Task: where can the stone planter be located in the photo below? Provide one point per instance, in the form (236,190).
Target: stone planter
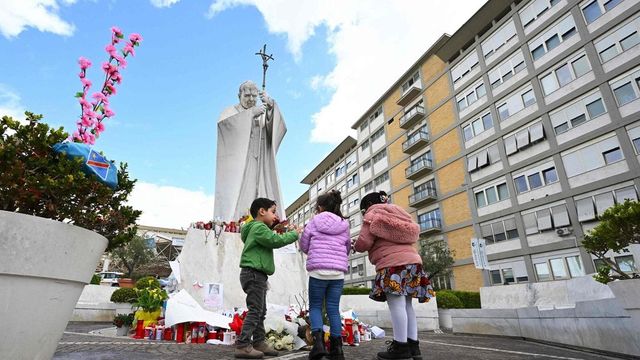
(124,308)
(122,330)
(126,283)
(627,292)
(44,265)
(445,320)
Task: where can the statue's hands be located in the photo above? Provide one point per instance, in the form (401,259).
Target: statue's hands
(266,100)
(257,111)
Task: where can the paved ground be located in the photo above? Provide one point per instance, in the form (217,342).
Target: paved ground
(77,344)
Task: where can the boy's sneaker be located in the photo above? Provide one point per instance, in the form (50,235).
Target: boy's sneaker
(248,352)
(263,347)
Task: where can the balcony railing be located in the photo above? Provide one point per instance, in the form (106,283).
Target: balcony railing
(409,95)
(420,168)
(422,197)
(430,225)
(411,116)
(415,141)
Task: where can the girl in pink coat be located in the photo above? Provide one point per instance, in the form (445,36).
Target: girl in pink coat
(389,234)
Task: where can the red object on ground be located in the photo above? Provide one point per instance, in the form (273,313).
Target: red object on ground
(348,324)
(201,330)
(139,330)
(180,333)
(168,334)
(236,324)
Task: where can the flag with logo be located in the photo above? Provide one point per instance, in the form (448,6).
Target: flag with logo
(94,162)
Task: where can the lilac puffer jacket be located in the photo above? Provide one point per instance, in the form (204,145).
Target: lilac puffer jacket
(327,243)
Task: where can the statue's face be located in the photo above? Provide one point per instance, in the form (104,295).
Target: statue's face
(249,97)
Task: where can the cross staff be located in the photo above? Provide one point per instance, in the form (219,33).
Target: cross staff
(265,59)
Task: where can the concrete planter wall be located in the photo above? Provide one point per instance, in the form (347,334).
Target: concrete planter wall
(627,292)
(377,313)
(444,317)
(44,266)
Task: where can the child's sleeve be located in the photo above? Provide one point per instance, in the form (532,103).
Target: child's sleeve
(305,239)
(365,239)
(269,239)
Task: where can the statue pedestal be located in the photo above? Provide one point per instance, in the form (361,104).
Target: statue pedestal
(202,261)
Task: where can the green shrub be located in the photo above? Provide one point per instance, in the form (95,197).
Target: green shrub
(123,320)
(447,300)
(355,291)
(149,282)
(470,299)
(124,295)
(95,279)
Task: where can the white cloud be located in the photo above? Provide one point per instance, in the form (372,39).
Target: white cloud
(10,103)
(374,42)
(169,206)
(17,15)
(163,3)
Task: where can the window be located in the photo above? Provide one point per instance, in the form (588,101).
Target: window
(559,267)
(550,175)
(379,156)
(591,207)
(636,144)
(553,37)
(536,8)
(365,145)
(340,170)
(477,126)
(612,156)
(628,193)
(575,266)
(593,10)
(352,180)
(619,40)
(507,69)
(482,158)
(494,44)
(366,165)
(470,96)
(542,271)
(517,101)
(626,263)
(376,135)
(464,67)
(625,93)
(568,70)
(364,125)
(376,113)
(429,220)
(535,180)
(414,79)
(559,271)
(381,179)
(368,187)
(492,195)
(524,138)
(577,112)
(501,230)
(546,219)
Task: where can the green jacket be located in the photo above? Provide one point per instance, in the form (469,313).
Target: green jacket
(259,242)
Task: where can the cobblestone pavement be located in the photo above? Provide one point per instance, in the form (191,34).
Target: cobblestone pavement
(77,343)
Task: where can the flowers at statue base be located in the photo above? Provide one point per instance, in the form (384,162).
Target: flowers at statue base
(280,340)
(95,109)
(150,299)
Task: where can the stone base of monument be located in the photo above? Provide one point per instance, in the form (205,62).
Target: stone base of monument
(205,260)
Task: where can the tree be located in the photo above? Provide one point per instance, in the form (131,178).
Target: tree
(619,227)
(133,255)
(37,181)
(437,259)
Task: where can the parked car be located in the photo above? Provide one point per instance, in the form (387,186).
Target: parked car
(110,278)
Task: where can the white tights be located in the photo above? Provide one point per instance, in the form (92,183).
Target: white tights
(403,318)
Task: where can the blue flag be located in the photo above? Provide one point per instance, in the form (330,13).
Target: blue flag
(94,162)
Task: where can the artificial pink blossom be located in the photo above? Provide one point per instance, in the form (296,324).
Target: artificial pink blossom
(99,96)
(116,77)
(86,83)
(108,112)
(82,74)
(116,31)
(135,38)
(111,50)
(110,89)
(121,62)
(86,121)
(128,49)
(84,63)
(109,68)
(88,138)
(99,127)
(85,104)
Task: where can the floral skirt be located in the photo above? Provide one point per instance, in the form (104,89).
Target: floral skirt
(405,280)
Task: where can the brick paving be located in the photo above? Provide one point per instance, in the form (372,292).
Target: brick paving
(78,344)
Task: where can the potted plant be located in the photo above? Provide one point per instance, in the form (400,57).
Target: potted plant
(130,257)
(149,304)
(56,219)
(446,301)
(123,323)
(124,298)
(618,229)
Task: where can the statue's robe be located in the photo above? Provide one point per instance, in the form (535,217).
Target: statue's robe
(246,161)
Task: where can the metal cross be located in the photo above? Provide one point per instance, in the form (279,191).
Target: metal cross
(265,59)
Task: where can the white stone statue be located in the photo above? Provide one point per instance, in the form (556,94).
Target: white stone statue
(249,136)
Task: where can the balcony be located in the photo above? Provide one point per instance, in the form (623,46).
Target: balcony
(409,95)
(415,142)
(430,226)
(423,197)
(412,116)
(419,169)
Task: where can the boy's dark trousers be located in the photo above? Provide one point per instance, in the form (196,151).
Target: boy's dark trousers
(254,284)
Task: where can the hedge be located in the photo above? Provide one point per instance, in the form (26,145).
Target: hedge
(469,299)
(355,291)
(448,300)
(124,295)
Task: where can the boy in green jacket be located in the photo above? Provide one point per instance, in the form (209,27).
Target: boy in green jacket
(257,264)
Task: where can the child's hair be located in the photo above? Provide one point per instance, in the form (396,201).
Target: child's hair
(331,202)
(260,203)
(372,199)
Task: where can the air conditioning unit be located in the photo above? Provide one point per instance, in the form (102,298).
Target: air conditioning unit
(566,231)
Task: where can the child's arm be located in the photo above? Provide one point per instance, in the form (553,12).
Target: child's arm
(365,239)
(305,239)
(269,239)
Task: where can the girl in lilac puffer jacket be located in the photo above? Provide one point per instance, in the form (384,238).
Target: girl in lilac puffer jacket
(327,243)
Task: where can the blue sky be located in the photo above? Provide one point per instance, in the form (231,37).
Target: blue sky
(332,63)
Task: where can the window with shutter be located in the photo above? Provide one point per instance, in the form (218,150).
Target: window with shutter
(510,145)
(483,159)
(626,193)
(586,210)
(603,202)
(530,224)
(472,163)
(537,132)
(560,216)
(544,219)
(522,138)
